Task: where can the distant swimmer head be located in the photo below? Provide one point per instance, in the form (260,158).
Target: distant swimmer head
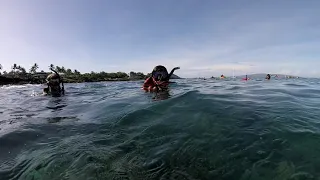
(268,76)
(160,73)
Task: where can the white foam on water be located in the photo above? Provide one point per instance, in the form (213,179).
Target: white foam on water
(19,86)
(13,86)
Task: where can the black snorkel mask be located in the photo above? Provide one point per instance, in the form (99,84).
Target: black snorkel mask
(159,75)
(53,82)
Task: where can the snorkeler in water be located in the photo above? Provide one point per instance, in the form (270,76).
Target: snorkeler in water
(268,77)
(159,79)
(53,82)
(246,78)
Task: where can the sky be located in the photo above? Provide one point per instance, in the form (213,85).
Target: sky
(204,38)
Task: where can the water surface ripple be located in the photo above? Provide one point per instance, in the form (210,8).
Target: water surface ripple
(200,129)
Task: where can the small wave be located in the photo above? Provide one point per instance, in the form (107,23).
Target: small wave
(19,86)
(295,85)
(13,86)
(310,91)
(234,88)
(203,130)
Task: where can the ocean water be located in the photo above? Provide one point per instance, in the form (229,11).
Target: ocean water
(200,129)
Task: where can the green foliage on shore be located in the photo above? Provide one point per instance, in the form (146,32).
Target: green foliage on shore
(68,75)
(76,76)
(19,75)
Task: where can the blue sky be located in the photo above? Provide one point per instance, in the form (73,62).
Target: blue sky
(204,37)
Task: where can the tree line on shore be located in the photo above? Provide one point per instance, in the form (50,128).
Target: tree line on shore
(19,72)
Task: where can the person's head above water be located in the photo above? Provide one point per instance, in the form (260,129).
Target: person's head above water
(53,81)
(268,76)
(160,73)
(159,79)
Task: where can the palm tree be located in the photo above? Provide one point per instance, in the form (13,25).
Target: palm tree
(14,67)
(58,69)
(69,71)
(63,70)
(31,70)
(76,72)
(34,68)
(18,69)
(51,66)
(23,70)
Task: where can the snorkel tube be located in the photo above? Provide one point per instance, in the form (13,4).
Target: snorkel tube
(172,71)
(165,82)
(160,73)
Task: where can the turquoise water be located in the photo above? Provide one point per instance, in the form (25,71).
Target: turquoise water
(200,129)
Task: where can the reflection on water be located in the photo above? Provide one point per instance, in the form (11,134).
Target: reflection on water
(206,130)
(57,103)
(163,95)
